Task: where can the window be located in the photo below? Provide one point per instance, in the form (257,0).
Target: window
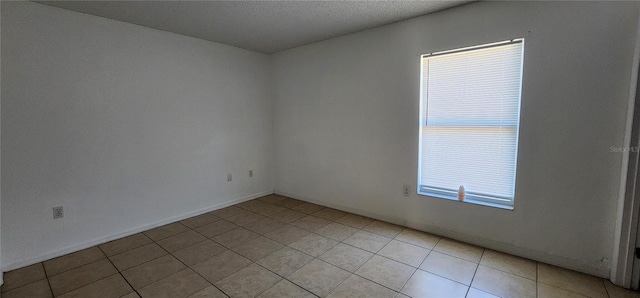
(469,118)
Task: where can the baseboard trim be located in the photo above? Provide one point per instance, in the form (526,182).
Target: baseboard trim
(494,245)
(100,240)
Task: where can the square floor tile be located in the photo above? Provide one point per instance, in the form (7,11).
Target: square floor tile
(199,252)
(181,241)
(313,244)
(179,284)
(209,292)
(571,280)
(236,237)
(268,209)
(346,257)
(73,260)
(166,231)
(131,295)
(475,293)
(200,220)
(258,248)
(137,256)
(418,238)
(386,229)
(319,277)
(289,202)
(388,273)
(329,214)
(81,276)
(271,199)
(248,282)
(285,288)
(509,263)
(367,241)
(354,220)
(265,225)
(450,267)
(127,243)
(221,266)
(461,250)
(404,252)
(23,276)
(147,273)
(310,223)
(227,212)
(547,291)
(247,205)
(38,289)
(308,208)
(356,286)
(287,215)
(113,286)
(503,284)
(217,228)
(285,261)
(287,234)
(262,208)
(245,218)
(425,284)
(337,231)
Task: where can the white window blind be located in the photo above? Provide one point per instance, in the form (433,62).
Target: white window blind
(470,111)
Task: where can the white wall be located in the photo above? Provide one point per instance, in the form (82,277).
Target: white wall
(125,126)
(346,125)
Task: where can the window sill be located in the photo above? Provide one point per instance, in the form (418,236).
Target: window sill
(470,201)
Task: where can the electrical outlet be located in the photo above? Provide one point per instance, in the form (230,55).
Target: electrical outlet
(58,212)
(229,178)
(250,173)
(405,190)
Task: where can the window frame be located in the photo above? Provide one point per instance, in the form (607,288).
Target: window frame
(502,202)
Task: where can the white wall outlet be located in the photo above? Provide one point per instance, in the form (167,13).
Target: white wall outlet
(250,173)
(58,212)
(229,178)
(405,190)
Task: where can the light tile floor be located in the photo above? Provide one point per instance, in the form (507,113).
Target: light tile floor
(280,247)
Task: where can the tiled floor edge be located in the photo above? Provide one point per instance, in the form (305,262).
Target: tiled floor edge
(466,238)
(100,240)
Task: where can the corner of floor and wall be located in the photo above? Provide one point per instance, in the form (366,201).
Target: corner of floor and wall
(128,128)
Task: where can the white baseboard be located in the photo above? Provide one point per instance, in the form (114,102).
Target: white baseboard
(80,246)
(487,243)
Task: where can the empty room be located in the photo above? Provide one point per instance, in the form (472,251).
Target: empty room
(319,149)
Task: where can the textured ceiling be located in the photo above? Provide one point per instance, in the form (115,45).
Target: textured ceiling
(263,26)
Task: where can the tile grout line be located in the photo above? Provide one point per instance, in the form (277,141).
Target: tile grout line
(339,242)
(47,278)
(187,267)
(476,271)
(414,272)
(373,253)
(93,262)
(118,270)
(605,288)
(537,294)
(285,277)
(354,272)
(544,283)
(198,273)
